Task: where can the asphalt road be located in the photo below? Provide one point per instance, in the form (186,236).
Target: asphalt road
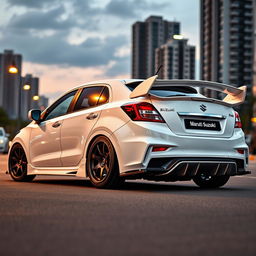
(60,216)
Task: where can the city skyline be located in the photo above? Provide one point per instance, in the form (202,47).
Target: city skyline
(28,28)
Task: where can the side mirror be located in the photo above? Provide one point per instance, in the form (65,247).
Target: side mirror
(7,135)
(34,114)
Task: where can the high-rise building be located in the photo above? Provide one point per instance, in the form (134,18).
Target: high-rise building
(254,50)
(29,95)
(146,37)
(227,41)
(10,83)
(43,102)
(177,59)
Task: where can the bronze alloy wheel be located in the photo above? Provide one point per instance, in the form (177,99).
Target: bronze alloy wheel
(102,165)
(18,164)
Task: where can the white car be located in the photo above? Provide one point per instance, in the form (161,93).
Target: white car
(4,141)
(153,129)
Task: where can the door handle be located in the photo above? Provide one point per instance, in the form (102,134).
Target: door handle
(56,124)
(92,116)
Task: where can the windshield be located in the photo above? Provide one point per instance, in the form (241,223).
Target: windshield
(1,133)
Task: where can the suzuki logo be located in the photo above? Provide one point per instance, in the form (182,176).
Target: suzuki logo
(203,107)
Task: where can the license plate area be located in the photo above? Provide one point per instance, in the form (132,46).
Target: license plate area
(196,124)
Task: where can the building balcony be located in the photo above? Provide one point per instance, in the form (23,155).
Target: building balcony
(248,14)
(234,29)
(235,4)
(248,30)
(248,22)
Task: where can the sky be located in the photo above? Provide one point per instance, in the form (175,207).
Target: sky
(70,42)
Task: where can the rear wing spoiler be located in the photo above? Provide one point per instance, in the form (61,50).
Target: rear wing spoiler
(235,96)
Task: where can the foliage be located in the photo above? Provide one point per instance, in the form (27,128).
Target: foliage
(9,125)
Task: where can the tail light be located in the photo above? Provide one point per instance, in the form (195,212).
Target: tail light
(238,123)
(142,112)
(159,148)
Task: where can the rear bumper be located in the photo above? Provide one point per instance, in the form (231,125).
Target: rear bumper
(186,169)
(136,140)
(176,169)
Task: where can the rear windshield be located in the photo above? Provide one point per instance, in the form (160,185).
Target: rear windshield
(167,91)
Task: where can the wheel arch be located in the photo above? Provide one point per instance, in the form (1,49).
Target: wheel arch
(82,171)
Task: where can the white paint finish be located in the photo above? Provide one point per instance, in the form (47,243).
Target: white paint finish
(136,137)
(44,143)
(176,122)
(74,134)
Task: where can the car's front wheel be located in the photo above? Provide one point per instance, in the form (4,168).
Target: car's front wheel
(18,164)
(102,164)
(206,181)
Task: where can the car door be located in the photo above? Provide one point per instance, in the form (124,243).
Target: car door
(77,126)
(45,147)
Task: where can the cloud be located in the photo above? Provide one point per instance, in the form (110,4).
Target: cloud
(38,19)
(83,33)
(55,49)
(31,3)
(131,8)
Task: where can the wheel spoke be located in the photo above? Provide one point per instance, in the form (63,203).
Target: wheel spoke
(99,161)
(18,162)
(98,148)
(14,159)
(101,173)
(16,154)
(96,157)
(104,146)
(97,167)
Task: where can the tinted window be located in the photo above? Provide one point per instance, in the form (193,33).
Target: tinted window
(169,91)
(91,97)
(166,91)
(61,106)
(104,97)
(1,133)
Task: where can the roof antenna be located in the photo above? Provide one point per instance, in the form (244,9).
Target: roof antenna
(159,68)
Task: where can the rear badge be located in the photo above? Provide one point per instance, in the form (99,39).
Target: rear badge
(203,107)
(167,109)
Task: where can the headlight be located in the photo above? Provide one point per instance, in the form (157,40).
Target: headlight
(1,141)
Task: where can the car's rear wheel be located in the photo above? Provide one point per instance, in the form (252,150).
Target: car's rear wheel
(206,181)
(18,164)
(102,164)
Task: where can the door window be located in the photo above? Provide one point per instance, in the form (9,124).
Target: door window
(91,97)
(60,107)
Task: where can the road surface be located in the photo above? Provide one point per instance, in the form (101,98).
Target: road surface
(67,216)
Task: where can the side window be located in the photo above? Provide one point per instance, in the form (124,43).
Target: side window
(91,97)
(104,96)
(61,106)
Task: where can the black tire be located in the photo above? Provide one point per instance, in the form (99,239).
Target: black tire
(17,164)
(102,164)
(206,181)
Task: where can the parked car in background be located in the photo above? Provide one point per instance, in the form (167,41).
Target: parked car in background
(4,141)
(113,130)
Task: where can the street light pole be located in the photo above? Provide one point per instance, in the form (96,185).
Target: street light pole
(14,70)
(19,104)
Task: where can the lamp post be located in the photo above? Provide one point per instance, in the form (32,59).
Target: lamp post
(26,87)
(14,70)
